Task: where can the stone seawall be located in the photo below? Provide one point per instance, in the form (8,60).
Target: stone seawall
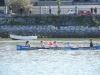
(50,31)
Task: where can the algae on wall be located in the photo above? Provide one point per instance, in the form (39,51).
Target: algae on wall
(56,20)
(49,31)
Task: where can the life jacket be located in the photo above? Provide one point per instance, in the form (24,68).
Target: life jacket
(50,43)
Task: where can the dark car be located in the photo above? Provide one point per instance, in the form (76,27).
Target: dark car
(1,11)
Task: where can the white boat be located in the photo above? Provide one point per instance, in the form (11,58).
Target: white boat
(17,37)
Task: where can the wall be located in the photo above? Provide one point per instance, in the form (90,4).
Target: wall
(50,25)
(55,20)
(50,31)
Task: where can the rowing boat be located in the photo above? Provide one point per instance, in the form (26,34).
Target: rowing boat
(20,47)
(17,37)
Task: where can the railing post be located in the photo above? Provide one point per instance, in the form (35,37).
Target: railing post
(40,10)
(5,9)
(76,10)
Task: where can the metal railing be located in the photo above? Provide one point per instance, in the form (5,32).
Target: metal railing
(55,10)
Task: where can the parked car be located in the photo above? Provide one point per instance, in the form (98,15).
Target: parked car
(71,11)
(3,12)
(84,12)
(80,12)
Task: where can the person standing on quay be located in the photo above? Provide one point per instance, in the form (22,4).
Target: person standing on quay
(10,9)
(45,9)
(21,10)
(50,9)
(30,10)
(95,10)
(24,10)
(91,10)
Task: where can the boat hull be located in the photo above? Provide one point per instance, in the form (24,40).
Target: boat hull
(19,47)
(16,37)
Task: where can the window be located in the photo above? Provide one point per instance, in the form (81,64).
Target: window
(1,2)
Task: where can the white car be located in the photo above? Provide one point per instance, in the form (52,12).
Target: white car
(71,11)
(80,12)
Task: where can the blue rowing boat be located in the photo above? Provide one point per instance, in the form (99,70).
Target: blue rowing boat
(20,47)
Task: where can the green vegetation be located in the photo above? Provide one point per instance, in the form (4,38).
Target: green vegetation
(58,3)
(17,4)
(56,20)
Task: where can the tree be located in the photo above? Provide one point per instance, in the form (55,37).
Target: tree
(17,4)
(58,3)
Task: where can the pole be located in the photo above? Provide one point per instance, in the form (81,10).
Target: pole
(76,10)
(40,10)
(5,7)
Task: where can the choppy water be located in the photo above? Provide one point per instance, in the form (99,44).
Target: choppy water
(49,62)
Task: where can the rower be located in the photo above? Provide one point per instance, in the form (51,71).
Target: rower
(28,44)
(42,44)
(50,44)
(55,44)
(91,43)
(68,44)
(71,46)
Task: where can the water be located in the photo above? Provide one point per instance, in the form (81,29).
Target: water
(49,62)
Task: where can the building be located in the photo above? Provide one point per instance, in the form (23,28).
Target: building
(71,0)
(1,2)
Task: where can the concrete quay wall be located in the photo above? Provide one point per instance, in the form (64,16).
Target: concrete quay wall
(50,31)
